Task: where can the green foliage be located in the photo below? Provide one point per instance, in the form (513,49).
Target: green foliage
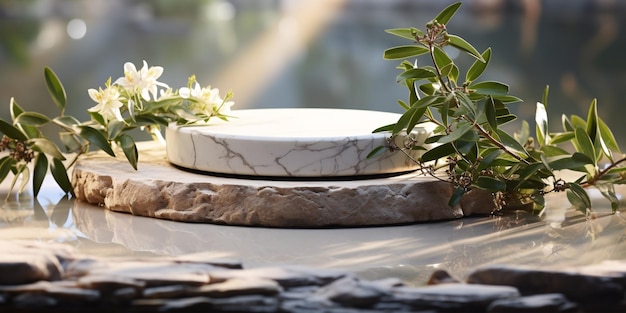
(129,103)
(468,141)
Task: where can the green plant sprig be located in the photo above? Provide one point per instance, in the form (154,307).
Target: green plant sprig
(131,102)
(469,143)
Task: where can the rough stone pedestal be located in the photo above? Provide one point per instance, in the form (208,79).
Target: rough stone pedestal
(161,190)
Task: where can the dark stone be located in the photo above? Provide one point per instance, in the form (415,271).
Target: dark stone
(250,303)
(238,287)
(193,304)
(545,303)
(108,284)
(209,259)
(349,292)
(454,296)
(287,277)
(73,295)
(441,277)
(166,292)
(575,286)
(158,273)
(24,268)
(31,301)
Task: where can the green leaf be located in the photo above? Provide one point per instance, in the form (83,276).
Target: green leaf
(592,119)
(446,14)
(561,137)
(577,121)
(67,122)
(608,191)
(70,142)
(438,152)
(541,118)
(59,173)
(416,73)
(32,119)
(510,142)
(403,105)
(407,33)
(527,172)
(6,163)
(115,128)
(451,71)
(490,88)
(97,138)
(552,151)
(507,98)
(55,88)
(378,151)
(583,143)
(386,128)
(567,125)
(441,58)
(488,157)
(461,44)
(403,52)
(15,109)
(457,194)
(95,116)
(490,184)
(466,103)
(46,146)
(457,133)
(11,131)
(579,198)
(39,172)
(490,113)
(607,136)
(127,144)
(478,67)
(524,133)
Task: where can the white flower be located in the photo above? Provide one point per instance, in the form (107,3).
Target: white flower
(207,100)
(108,103)
(143,81)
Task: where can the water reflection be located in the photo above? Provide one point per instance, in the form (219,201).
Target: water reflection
(411,252)
(326,53)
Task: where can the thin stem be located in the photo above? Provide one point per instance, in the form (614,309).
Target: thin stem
(499,145)
(431,48)
(603,172)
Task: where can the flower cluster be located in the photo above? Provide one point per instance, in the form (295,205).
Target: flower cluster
(139,91)
(137,100)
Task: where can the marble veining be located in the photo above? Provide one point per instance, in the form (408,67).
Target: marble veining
(290,143)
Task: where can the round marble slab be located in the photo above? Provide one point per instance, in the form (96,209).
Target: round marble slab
(158,189)
(292,143)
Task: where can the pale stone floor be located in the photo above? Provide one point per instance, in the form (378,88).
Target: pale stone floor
(409,252)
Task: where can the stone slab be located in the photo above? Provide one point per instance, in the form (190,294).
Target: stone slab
(295,142)
(158,189)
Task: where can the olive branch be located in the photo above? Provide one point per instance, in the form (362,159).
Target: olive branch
(469,142)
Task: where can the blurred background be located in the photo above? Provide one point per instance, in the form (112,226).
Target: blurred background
(323,53)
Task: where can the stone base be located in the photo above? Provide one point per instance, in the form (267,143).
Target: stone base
(161,190)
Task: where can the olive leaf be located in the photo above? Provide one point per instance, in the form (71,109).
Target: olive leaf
(55,88)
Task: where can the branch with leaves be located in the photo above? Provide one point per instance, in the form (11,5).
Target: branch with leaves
(136,100)
(468,139)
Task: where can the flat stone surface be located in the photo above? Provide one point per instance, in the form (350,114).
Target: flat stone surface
(545,303)
(573,284)
(161,190)
(292,143)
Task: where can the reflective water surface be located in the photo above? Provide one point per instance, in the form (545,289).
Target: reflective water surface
(411,252)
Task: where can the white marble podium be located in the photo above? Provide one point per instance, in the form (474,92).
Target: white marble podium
(257,154)
(292,143)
